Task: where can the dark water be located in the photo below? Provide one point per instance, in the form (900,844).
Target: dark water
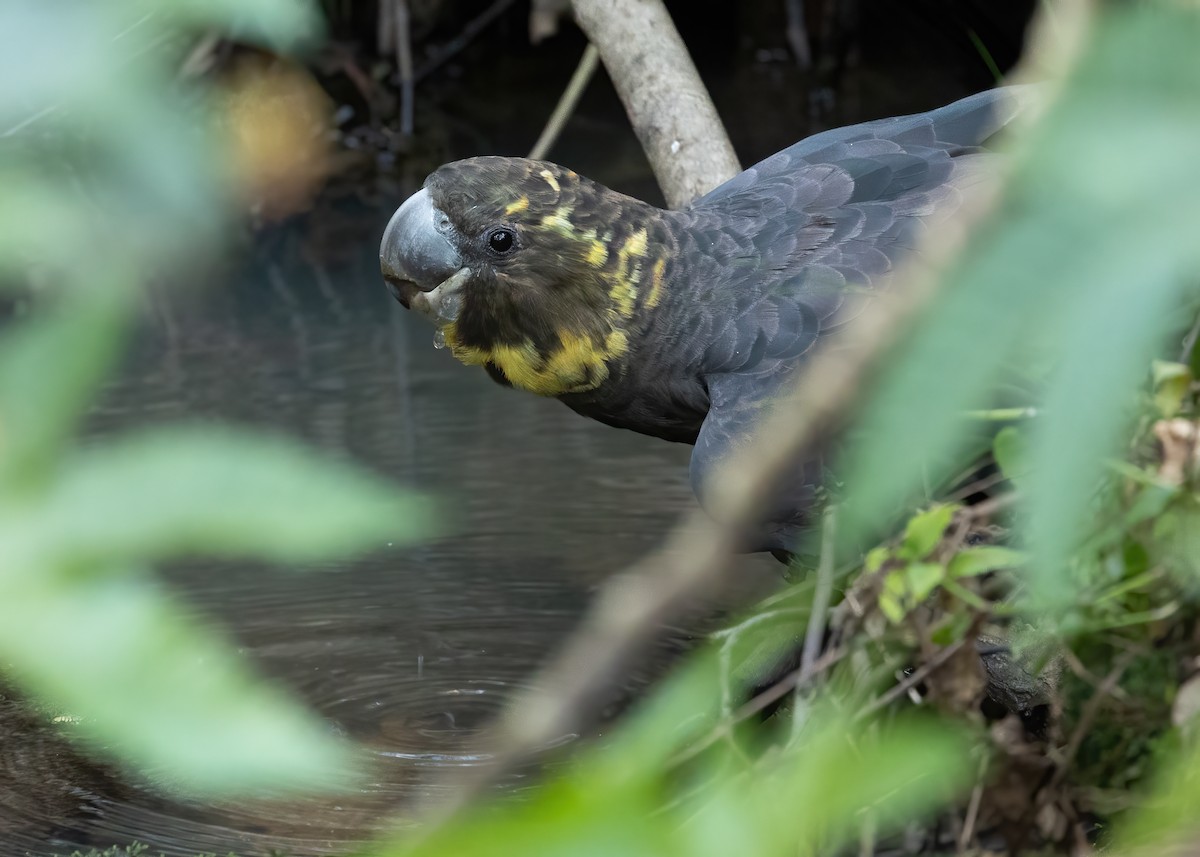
(409,651)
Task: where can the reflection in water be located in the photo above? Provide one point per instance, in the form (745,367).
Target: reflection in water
(409,651)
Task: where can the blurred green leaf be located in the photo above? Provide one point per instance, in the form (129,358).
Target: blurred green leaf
(172,492)
(282,25)
(837,772)
(1171,384)
(1090,249)
(875,559)
(971,562)
(1010,451)
(1087,406)
(49,368)
(811,795)
(1165,821)
(906,587)
(155,690)
(111,172)
(925,531)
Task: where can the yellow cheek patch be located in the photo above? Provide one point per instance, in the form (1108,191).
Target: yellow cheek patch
(517,207)
(550,180)
(578,364)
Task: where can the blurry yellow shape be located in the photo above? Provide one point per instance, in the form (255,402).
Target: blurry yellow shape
(279,128)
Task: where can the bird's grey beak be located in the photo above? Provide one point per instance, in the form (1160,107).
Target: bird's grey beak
(419,260)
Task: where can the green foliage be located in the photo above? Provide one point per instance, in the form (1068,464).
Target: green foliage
(917,565)
(111,172)
(1084,263)
(1089,254)
(1172,383)
(809,798)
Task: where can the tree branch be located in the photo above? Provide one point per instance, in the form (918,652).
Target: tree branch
(671,111)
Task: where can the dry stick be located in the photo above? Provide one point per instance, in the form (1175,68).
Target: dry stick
(567,102)
(671,111)
(797,33)
(793,680)
(404,62)
(916,677)
(1087,716)
(968,828)
(385,29)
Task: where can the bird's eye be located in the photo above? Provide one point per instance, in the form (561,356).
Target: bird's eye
(502,241)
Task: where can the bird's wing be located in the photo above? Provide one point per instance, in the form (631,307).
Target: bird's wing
(825,222)
(966,124)
(739,402)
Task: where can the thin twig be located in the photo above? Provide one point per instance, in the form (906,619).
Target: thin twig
(912,680)
(968,828)
(797,34)
(979,485)
(385,29)
(991,505)
(866,836)
(404,64)
(473,28)
(1076,666)
(1088,716)
(567,102)
(815,632)
(1189,342)
(791,681)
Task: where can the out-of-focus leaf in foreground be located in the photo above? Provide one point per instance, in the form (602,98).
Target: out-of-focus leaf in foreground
(50,368)
(1090,251)
(112,173)
(184,491)
(621,798)
(1166,822)
(155,691)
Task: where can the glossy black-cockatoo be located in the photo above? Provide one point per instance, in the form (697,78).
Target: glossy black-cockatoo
(686,324)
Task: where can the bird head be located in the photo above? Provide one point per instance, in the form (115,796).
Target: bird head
(527,268)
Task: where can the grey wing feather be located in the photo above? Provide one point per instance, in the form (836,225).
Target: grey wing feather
(968,123)
(815,230)
(738,405)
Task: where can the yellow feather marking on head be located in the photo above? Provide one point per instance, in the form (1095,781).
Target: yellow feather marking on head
(550,180)
(656,282)
(598,255)
(518,206)
(560,221)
